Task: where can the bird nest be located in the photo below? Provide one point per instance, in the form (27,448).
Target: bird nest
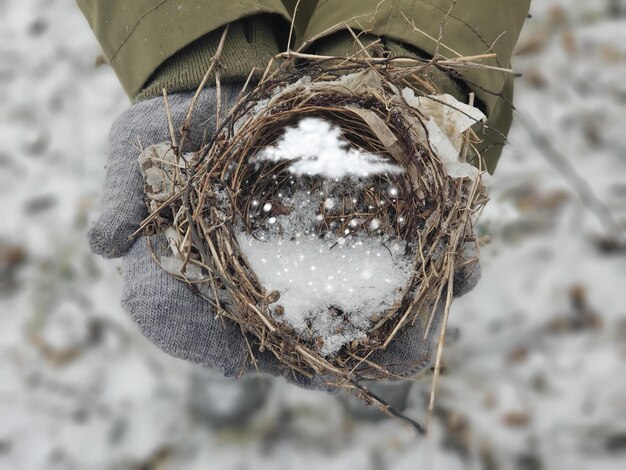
(207,199)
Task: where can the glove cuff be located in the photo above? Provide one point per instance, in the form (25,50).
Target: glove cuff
(250,44)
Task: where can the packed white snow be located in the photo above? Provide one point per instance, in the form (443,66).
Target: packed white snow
(331,286)
(316,148)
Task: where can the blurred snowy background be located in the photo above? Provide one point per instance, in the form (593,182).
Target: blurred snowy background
(536,378)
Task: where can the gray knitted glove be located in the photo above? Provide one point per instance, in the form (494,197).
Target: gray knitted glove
(165,309)
(169,314)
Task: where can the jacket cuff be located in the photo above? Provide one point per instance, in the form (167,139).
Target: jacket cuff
(477,27)
(343,44)
(138,36)
(249,46)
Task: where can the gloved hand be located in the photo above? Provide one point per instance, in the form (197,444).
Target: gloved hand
(168,313)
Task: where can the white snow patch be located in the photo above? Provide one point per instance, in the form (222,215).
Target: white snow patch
(331,286)
(317,148)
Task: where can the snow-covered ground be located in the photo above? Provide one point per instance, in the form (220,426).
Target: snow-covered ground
(535,380)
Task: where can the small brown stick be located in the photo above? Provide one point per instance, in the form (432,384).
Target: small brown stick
(441,26)
(418,30)
(184,131)
(154,215)
(387,409)
(328,31)
(466,140)
(170,123)
(440,343)
(218,91)
(292,26)
(363,48)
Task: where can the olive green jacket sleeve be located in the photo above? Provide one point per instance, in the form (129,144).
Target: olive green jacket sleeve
(137,36)
(470,27)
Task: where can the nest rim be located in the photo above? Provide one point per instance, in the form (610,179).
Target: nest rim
(223,163)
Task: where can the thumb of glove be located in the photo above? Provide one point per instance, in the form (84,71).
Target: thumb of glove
(146,123)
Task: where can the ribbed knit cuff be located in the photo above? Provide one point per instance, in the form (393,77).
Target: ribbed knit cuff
(343,44)
(250,44)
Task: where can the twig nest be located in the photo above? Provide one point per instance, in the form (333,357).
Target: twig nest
(328,209)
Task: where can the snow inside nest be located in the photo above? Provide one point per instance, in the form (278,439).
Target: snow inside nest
(316,148)
(333,286)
